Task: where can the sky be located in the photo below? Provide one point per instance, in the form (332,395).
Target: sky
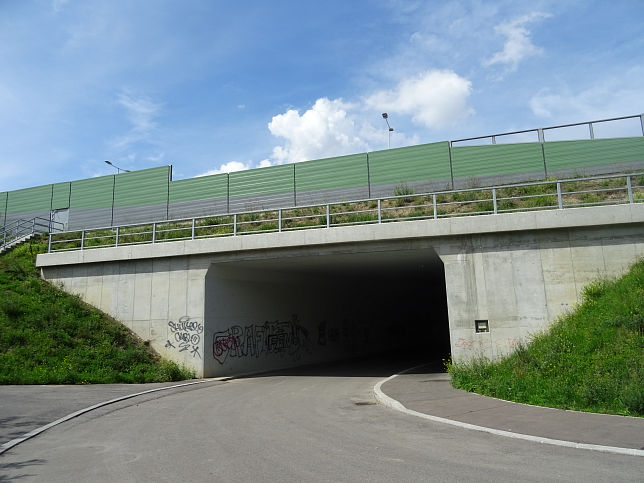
(213,86)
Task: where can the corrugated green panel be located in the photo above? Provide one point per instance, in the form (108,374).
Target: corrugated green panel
(262,181)
(413,163)
(497,159)
(60,197)
(37,198)
(202,188)
(578,154)
(144,187)
(332,173)
(92,193)
(3,206)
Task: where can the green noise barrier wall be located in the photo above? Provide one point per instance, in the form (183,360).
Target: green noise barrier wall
(28,203)
(569,157)
(90,203)
(200,196)
(499,163)
(421,168)
(141,196)
(332,179)
(262,188)
(149,195)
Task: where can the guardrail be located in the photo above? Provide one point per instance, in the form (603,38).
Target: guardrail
(405,206)
(23,227)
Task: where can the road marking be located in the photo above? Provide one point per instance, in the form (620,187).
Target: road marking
(14,442)
(398,406)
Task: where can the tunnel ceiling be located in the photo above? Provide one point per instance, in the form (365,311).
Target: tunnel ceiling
(365,262)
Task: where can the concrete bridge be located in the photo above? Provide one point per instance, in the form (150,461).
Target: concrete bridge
(466,286)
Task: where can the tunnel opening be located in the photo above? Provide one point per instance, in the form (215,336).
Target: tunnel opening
(294,308)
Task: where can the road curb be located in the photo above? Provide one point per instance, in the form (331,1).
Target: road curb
(15,442)
(392,403)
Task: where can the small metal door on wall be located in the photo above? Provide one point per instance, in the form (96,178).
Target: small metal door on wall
(60,216)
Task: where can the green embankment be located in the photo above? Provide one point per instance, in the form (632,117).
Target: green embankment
(50,337)
(589,360)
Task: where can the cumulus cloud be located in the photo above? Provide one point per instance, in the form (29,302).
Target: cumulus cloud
(229,167)
(518,44)
(435,99)
(324,130)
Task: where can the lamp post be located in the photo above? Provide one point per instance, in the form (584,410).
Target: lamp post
(385,116)
(118,170)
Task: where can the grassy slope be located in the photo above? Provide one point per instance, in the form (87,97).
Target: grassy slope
(590,360)
(50,337)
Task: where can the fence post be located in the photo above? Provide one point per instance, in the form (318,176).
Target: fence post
(279,220)
(49,244)
(590,129)
(434,205)
(193,229)
(235,224)
(82,239)
(494,200)
(629,188)
(379,212)
(559,199)
(154,232)
(451,168)
(328,216)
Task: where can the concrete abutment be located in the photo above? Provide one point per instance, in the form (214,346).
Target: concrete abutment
(261,302)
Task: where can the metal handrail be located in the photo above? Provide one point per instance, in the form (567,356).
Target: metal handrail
(24,227)
(433,205)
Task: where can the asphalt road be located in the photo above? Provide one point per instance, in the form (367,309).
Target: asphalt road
(314,424)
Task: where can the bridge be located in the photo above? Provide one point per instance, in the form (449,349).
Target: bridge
(468,272)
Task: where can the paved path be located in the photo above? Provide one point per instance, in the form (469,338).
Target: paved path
(429,392)
(313,424)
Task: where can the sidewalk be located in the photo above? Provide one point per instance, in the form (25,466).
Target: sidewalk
(431,393)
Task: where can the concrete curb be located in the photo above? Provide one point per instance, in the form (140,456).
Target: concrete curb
(15,442)
(389,402)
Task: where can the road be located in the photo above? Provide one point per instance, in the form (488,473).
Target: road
(314,424)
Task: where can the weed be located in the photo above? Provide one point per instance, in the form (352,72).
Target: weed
(589,360)
(50,337)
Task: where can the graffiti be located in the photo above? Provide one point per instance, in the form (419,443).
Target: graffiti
(468,344)
(186,333)
(287,338)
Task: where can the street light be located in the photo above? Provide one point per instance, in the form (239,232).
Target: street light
(385,116)
(118,170)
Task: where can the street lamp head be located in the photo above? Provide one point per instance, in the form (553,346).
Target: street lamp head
(385,115)
(391,129)
(109,163)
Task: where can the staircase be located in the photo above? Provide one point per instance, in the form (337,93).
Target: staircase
(19,231)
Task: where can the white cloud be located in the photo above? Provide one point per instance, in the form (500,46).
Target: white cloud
(142,113)
(229,167)
(325,130)
(435,99)
(518,44)
(611,98)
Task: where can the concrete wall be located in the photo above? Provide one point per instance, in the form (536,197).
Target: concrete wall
(522,282)
(518,271)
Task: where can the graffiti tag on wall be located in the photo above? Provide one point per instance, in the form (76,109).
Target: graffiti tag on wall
(185,335)
(288,338)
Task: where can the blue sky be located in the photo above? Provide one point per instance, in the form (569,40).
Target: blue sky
(211,86)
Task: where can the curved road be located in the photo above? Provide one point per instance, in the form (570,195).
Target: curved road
(314,424)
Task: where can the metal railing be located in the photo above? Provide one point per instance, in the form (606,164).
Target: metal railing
(540,132)
(406,206)
(16,229)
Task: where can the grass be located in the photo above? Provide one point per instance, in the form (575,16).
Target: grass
(589,360)
(50,337)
